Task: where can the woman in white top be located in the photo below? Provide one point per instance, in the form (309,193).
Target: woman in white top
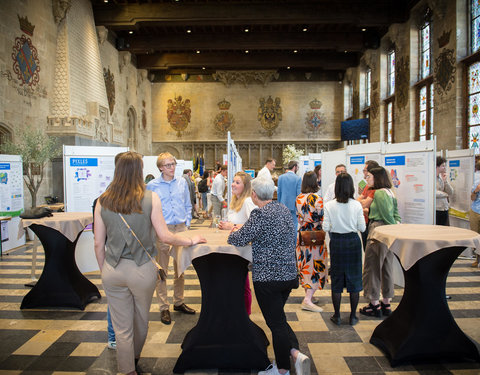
(242,204)
(343,218)
(238,214)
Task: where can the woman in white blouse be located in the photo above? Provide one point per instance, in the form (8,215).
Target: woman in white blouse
(238,214)
(242,204)
(343,218)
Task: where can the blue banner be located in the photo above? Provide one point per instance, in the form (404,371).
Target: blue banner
(84,162)
(454,163)
(4,166)
(357,159)
(317,162)
(395,160)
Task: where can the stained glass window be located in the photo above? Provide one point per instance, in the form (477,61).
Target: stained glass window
(368,86)
(425,112)
(389,122)
(425,48)
(473,122)
(431,111)
(391,72)
(475,25)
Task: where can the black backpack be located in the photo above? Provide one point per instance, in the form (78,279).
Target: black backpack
(202,186)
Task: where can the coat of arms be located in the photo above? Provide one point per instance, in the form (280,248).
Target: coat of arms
(315,119)
(402,72)
(269,114)
(25,61)
(224,121)
(178,114)
(110,86)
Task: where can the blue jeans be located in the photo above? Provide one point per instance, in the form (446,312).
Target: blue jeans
(111,332)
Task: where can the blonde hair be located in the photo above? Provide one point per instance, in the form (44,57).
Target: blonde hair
(164,156)
(126,191)
(237,202)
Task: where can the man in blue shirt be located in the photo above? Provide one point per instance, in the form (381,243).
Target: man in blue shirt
(289,186)
(177,211)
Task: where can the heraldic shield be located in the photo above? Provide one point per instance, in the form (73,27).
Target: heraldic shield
(269,114)
(178,114)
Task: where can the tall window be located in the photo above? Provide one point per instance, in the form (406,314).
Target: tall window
(425,50)
(425,112)
(473,122)
(474,25)
(391,72)
(389,127)
(348,101)
(368,86)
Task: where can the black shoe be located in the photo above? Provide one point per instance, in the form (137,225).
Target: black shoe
(165,317)
(184,309)
(336,320)
(353,320)
(372,310)
(386,309)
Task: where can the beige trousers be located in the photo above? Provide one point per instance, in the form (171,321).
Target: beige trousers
(474,221)
(163,258)
(377,268)
(129,289)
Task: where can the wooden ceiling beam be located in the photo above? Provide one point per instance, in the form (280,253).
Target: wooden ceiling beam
(214,60)
(246,41)
(364,13)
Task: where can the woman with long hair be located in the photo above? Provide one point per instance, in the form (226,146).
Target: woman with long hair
(343,218)
(378,263)
(127,218)
(238,214)
(311,259)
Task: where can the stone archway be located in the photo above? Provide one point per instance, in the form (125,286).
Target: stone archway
(132,121)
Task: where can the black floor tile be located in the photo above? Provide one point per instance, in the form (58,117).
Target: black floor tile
(45,363)
(60,349)
(363,365)
(17,362)
(83,336)
(12,339)
(94,315)
(76,364)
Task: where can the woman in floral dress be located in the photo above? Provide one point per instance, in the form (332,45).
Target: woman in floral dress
(311,260)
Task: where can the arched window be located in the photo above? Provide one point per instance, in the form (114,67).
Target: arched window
(424,88)
(132,128)
(389,113)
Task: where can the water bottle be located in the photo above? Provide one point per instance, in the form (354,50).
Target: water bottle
(224,214)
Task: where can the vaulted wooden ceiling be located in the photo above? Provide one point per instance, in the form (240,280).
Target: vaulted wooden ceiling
(323,37)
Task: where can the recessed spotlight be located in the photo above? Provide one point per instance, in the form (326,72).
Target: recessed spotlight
(105,1)
(364,29)
(288,67)
(130,32)
(203,68)
(304,29)
(246,51)
(189,31)
(295,51)
(346,51)
(246,30)
(198,51)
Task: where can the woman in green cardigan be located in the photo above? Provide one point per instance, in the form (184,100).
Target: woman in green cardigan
(378,263)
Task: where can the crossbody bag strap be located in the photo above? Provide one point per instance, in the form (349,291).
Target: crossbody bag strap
(161,271)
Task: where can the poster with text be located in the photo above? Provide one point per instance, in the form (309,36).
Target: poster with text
(355,166)
(460,176)
(11,188)
(412,177)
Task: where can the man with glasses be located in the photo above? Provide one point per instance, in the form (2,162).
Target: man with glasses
(177,211)
(330,193)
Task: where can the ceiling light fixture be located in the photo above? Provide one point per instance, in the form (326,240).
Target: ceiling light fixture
(105,1)
(288,67)
(198,51)
(295,51)
(203,68)
(246,51)
(130,32)
(246,30)
(304,29)
(189,31)
(364,29)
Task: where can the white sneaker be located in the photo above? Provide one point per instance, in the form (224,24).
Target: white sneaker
(302,364)
(272,370)
(313,308)
(112,345)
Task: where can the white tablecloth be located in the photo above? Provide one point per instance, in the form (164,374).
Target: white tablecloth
(411,242)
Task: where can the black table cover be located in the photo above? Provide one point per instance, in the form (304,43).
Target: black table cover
(224,338)
(61,283)
(422,326)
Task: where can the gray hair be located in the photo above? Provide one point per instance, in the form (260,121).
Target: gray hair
(264,188)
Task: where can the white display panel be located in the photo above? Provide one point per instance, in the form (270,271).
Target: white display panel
(330,160)
(87,172)
(11,200)
(460,170)
(357,156)
(412,169)
(234,164)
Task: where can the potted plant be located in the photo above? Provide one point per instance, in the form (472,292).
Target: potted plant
(291,153)
(36,149)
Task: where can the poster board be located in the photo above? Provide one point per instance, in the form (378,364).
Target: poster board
(87,172)
(11,200)
(304,165)
(460,170)
(150,166)
(330,160)
(357,156)
(412,168)
(234,164)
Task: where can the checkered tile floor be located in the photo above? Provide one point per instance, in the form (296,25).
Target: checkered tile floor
(57,341)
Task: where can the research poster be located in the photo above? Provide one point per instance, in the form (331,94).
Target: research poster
(412,177)
(355,165)
(87,173)
(460,176)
